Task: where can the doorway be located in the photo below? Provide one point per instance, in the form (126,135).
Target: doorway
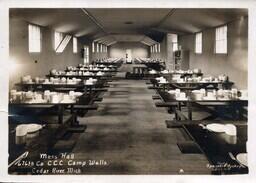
(128,56)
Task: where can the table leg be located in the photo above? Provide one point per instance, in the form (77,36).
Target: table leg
(60,113)
(189,106)
(179,108)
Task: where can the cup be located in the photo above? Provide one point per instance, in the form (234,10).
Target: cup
(47,94)
(37,79)
(231,139)
(66,97)
(203,91)
(230,129)
(244,93)
(182,95)
(20,135)
(54,98)
(210,95)
(63,79)
(234,93)
(181,80)
(39,96)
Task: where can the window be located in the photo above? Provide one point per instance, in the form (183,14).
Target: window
(101,50)
(93,47)
(58,37)
(74,45)
(221,40)
(34,38)
(86,54)
(174,42)
(198,43)
(63,44)
(97,47)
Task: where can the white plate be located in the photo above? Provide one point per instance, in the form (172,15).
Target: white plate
(209,98)
(179,98)
(242,158)
(243,98)
(67,101)
(31,128)
(215,127)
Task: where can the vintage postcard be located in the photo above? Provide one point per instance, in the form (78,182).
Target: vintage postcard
(127,88)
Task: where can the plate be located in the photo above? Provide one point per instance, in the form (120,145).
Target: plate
(209,98)
(31,128)
(242,158)
(180,98)
(215,127)
(243,98)
(67,101)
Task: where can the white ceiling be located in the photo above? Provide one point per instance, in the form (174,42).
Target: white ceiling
(110,25)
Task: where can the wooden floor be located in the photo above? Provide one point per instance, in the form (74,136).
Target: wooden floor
(129,133)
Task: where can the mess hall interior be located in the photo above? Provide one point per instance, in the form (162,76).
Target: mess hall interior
(128,91)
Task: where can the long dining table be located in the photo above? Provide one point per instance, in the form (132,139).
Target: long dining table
(220,149)
(236,106)
(191,85)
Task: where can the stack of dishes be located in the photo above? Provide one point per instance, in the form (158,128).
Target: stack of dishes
(152,72)
(211,95)
(242,158)
(197,71)
(67,99)
(25,131)
(197,95)
(100,73)
(228,129)
(165,72)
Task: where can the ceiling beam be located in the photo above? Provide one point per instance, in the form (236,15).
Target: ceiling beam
(102,39)
(108,41)
(169,14)
(95,21)
(168,31)
(113,42)
(146,43)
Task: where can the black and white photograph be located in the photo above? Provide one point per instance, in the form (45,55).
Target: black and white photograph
(127,91)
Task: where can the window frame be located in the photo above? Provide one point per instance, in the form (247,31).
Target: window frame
(75,45)
(62,35)
(176,43)
(86,54)
(196,43)
(31,40)
(226,40)
(97,47)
